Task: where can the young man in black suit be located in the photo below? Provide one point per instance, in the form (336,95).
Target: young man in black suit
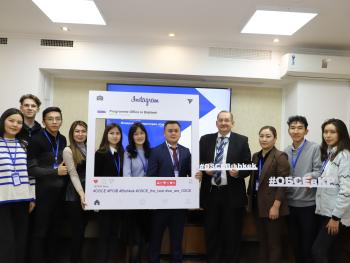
(223,193)
(169,159)
(45,164)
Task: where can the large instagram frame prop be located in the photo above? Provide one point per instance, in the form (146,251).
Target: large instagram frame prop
(142,192)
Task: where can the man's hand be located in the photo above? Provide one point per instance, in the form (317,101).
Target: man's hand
(31,206)
(233,173)
(199,175)
(62,170)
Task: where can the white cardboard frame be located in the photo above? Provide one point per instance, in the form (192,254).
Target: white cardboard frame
(142,192)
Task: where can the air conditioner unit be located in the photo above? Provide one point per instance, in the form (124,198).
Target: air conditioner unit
(315,66)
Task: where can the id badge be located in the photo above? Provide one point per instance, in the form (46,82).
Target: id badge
(55,166)
(176,173)
(15,178)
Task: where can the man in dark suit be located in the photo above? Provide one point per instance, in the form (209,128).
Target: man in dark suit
(223,193)
(169,159)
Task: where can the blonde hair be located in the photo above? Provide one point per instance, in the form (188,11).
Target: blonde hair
(78,157)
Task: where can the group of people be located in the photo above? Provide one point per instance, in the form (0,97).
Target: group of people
(39,174)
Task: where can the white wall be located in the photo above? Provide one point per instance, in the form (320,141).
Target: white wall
(317,100)
(22,59)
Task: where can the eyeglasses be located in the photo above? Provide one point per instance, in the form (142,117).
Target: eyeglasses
(57,119)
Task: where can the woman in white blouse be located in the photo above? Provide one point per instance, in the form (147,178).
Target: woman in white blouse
(333,204)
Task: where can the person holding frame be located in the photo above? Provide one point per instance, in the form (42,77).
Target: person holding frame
(109,163)
(169,159)
(74,156)
(135,165)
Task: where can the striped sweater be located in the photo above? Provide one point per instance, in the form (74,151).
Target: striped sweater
(25,191)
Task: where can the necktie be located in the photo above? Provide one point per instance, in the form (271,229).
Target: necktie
(218,158)
(175,159)
(117,162)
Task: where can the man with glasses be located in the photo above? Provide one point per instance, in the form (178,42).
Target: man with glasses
(46,165)
(223,193)
(30,105)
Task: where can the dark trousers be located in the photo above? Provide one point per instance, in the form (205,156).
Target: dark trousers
(13,232)
(270,238)
(302,224)
(175,221)
(46,223)
(78,219)
(326,248)
(109,240)
(223,228)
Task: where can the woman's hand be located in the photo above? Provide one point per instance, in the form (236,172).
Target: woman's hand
(274,212)
(82,200)
(332,227)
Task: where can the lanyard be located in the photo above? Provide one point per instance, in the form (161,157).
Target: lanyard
(116,162)
(13,158)
(294,161)
(324,163)
(55,151)
(261,163)
(144,163)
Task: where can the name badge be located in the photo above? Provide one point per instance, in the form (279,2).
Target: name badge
(176,173)
(15,178)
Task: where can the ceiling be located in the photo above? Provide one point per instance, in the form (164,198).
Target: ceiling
(195,22)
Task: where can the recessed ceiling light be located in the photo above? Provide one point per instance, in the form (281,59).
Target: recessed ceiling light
(64,28)
(171,34)
(71,11)
(276,22)
(276,40)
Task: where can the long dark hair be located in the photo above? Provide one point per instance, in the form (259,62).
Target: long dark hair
(4,116)
(131,148)
(78,157)
(104,145)
(343,138)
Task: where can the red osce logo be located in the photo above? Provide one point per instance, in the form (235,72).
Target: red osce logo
(166,182)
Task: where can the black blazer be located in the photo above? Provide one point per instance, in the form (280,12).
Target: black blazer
(160,163)
(238,152)
(105,164)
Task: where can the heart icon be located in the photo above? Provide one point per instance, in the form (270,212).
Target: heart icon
(95,181)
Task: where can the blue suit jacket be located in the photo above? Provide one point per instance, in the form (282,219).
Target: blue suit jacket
(160,163)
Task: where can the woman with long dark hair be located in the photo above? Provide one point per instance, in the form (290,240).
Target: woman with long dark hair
(333,204)
(135,165)
(17,192)
(74,157)
(109,163)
